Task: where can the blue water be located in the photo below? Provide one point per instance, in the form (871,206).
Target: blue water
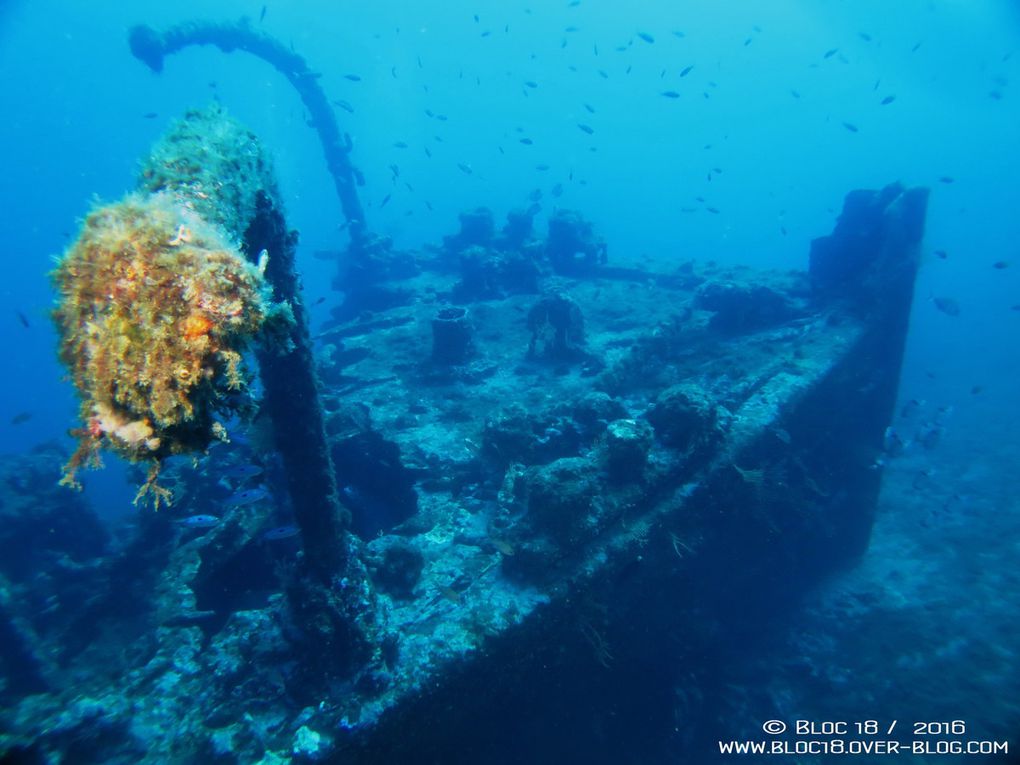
(760,131)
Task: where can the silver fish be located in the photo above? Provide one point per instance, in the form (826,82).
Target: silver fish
(247,497)
(198,521)
(243,471)
(281,532)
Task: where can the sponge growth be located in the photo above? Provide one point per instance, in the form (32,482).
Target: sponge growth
(155,310)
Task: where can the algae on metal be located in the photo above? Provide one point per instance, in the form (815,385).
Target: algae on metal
(156,307)
(157,303)
(212,164)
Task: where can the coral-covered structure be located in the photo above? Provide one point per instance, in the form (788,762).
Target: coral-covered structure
(152,48)
(155,309)
(212,164)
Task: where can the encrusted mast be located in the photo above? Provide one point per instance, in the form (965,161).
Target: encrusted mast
(155,309)
(152,47)
(162,293)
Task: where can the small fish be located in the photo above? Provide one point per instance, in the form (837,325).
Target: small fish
(466,169)
(585,128)
(941,254)
(946,179)
(262,14)
(830,52)
(23,319)
(947,305)
(503,546)
(198,521)
(281,532)
(670,94)
(748,41)
(795,93)
(851,127)
(428,152)
(385,201)
(21,418)
(892,443)
(557,190)
(911,408)
(450,594)
(345,105)
(247,497)
(603,74)
(535,195)
(922,479)
(542,168)
(441,117)
(977,390)
(916,46)
(150,115)
(864,36)
(678,34)
(527,141)
(783,435)
(399,145)
(531,83)
(320,301)
(713,210)
(887,100)
(686,70)
(929,434)
(1000,264)
(646,37)
(589,108)
(249,470)
(353,77)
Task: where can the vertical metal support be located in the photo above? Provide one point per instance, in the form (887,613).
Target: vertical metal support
(292,402)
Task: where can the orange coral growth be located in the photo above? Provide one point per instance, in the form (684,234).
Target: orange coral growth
(196,326)
(152,326)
